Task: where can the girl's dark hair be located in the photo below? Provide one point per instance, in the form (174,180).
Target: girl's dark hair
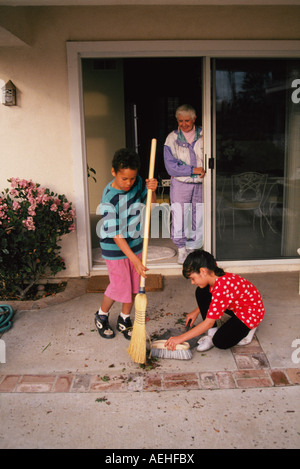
(198,259)
(125,158)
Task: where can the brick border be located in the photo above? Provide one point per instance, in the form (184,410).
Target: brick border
(253,371)
(149,382)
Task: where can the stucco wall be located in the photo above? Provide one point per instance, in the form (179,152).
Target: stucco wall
(35,136)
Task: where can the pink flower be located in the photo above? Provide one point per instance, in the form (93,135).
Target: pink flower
(42,198)
(29,224)
(14,182)
(3,210)
(31,200)
(23,183)
(31,210)
(14,193)
(53,208)
(16,205)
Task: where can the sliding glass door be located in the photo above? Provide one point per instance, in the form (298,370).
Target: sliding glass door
(256,145)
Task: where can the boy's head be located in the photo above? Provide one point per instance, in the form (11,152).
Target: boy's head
(125,167)
(125,158)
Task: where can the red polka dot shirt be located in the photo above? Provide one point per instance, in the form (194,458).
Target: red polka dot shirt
(239,296)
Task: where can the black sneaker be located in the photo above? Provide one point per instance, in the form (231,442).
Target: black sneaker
(125,327)
(102,324)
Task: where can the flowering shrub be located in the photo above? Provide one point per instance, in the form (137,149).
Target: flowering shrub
(32,220)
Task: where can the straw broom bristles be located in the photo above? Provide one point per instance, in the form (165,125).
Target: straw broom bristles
(137,347)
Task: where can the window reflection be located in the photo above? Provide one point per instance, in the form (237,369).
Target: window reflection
(257,131)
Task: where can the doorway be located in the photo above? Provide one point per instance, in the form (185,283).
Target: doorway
(153,89)
(127,102)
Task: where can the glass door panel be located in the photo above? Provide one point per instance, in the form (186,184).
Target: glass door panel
(257,153)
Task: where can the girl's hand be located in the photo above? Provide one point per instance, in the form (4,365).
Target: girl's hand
(173,341)
(192,317)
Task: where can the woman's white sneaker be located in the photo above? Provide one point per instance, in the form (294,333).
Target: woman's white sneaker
(182,255)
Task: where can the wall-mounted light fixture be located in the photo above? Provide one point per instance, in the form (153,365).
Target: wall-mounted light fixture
(9,94)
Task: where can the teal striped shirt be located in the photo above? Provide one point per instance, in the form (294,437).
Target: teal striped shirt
(121,215)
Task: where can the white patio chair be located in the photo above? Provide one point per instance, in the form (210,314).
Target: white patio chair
(247,194)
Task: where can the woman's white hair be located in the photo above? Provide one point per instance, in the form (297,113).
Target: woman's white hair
(185,109)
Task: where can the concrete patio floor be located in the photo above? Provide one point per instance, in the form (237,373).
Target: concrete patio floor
(63,386)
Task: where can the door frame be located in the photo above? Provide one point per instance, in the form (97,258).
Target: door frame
(141,49)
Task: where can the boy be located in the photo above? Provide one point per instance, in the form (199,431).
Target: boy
(121,241)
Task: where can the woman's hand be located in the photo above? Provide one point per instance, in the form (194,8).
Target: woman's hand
(200,171)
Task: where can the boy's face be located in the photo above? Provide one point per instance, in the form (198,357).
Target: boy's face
(124,179)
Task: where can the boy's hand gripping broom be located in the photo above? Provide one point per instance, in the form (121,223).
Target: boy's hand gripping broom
(137,347)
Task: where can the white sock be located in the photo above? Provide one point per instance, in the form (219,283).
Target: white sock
(248,339)
(124,316)
(102,313)
(211,332)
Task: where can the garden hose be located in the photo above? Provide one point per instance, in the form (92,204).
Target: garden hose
(6,313)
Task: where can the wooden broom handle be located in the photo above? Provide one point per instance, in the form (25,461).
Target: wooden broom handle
(148,209)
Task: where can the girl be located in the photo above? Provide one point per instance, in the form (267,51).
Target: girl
(218,293)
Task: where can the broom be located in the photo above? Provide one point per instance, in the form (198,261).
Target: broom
(137,347)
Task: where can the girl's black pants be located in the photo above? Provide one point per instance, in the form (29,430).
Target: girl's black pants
(231,332)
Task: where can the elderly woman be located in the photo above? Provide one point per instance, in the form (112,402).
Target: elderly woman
(183,157)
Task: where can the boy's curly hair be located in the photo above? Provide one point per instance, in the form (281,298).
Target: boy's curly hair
(198,259)
(125,158)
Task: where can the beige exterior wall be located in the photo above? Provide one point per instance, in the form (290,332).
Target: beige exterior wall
(35,136)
